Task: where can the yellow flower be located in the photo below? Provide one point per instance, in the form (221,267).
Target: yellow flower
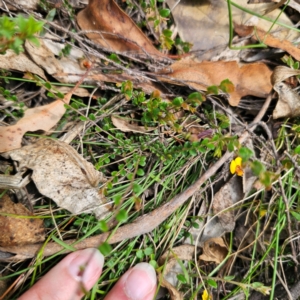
(205,295)
(236,166)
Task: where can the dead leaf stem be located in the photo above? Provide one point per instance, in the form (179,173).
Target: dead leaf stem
(141,225)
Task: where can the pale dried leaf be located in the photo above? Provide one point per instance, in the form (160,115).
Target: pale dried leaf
(194,232)
(43,57)
(184,252)
(25,4)
(19,62)
(80,92)
(288,104)
(37,118)
(125,125)
(223,201)
(63,175)
(212,15)
(268,39)
(17,231)
(69,69)
(174,293)
(214,250)
(170,260)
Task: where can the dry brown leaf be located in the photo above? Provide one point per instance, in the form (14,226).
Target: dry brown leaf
(116,30)
(24,4)
(184,252)
(292,3)
(80,92)
(212,15)
(288,104)
(223,201)
(174,293)
(172,267)
(19,62)
(43,57)
(16,231)
(268,39)
(63,175)
(37,118)
(69,70)
(214,250)
(125,125)
(251,79)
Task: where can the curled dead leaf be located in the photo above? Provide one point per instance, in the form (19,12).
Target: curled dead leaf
(288,104)
(63,175)
(116,30)
(20,62)
(224,199)
(172,267)
(251,79)
(268,39)
(174,293)
(125,125)
(189,16)
(37,118)
(69,69)
(214,250)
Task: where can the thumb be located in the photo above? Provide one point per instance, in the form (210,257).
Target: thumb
(65,280)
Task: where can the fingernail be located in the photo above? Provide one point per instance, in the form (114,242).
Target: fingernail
(140,282)
(87,265)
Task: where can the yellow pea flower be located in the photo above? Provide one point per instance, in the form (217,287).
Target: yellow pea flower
(236,166)
(205,295)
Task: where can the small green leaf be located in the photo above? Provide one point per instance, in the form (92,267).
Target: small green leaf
(296,215)
(92,117)
(195,225)
(83,118)
(297,150)
(140,172)
(213,89)
(195,98)
(181,278)
(257,168)
(153,263)
(148,251)
(51,95)
(167,32)
(227,278)
(140,254)
(142,161)
(48,85)
(137,189)
(212,283)
(117,199)
(257,284)
(177,101)
(122,215)
(245,153)
(60,95)
(227,86)
(114,57)
(105,248)
(129,176)
(103,226)
(164,12)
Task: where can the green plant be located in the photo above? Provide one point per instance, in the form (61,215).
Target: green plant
(15,31)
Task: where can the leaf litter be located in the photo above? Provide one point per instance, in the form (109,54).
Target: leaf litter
(62,175)
(248,79)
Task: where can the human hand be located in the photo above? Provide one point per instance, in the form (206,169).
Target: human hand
(63,281)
